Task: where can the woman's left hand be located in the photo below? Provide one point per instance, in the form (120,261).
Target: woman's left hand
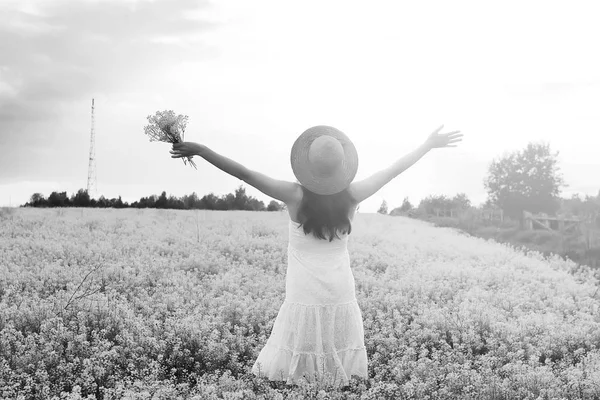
(185,149)
(437,140)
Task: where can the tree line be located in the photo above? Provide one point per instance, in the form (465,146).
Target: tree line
(526,180)
(429,204)
(574,206)
(238,200)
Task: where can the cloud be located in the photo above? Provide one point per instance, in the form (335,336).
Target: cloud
(66,51)
(60,53)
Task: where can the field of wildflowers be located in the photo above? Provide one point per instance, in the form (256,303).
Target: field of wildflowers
(162,304)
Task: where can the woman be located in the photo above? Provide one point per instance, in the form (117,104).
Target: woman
(318,332)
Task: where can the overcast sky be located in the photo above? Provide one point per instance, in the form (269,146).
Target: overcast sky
(253,75)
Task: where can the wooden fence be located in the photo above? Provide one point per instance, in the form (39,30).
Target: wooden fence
(486,214)
(587,227)
(554,224)
(492,214)
(446,212)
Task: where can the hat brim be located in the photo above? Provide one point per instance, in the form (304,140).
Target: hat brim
(340,179)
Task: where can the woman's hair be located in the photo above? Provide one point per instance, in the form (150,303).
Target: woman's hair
(325,215)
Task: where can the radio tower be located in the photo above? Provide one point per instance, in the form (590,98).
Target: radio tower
(91,183)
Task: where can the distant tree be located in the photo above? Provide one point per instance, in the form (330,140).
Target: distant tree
(102,202)
(191,201)
(254,204)
(406,205)
(209,202)
(432,203)
(81,199)
(161,202)
(118,203)
(148,202)
(38,200)
(525,180)
(239,203)
(461,201)
(57,199)
(581,208)
(226,202)
(488,204)
(175,203)
(274,206)
(383,208)
(142,203)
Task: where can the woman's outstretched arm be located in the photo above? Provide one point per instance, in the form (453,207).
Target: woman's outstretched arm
(288,192)
(364,189)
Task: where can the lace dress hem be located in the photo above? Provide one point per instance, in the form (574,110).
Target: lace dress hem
(291,366)
(314,341)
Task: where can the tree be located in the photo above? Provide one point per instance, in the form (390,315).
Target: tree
(209,202)
(38,200)
(525,180)
(162,200)
(81,199)
(254,204)
(226,202)
(145,202)
(274,206)
(174,203)
(431,204)
(118,203)
(102,202)
(383,208)
(57,199)
(406,206)
(461,201)
(191,201)
(239,203)
(488,204)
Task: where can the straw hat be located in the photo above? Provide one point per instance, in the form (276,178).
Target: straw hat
(324,160)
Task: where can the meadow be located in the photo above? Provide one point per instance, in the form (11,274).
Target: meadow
(163,304)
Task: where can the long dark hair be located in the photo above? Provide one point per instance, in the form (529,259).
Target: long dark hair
(325,216)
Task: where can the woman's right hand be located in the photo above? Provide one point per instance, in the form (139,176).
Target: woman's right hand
(437,140)
(185,149)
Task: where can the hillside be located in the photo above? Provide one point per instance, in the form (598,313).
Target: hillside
(112,303)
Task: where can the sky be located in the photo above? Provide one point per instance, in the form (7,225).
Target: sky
(252,76)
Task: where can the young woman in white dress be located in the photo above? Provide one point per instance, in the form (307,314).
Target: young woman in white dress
(318,332)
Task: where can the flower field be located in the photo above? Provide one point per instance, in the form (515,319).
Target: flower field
(163,304)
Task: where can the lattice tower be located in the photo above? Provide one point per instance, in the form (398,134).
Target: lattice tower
(91,183)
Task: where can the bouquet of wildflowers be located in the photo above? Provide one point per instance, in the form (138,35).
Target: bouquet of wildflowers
(167,127)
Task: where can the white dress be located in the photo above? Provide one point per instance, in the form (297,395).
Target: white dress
(319,329)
